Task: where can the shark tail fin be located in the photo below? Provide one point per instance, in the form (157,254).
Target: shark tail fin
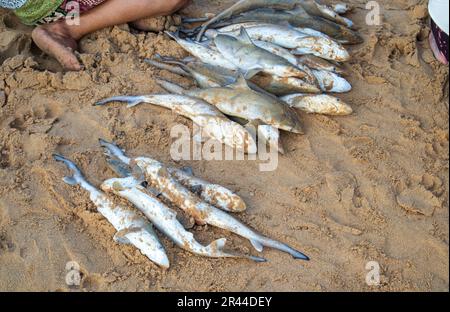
(268,242)
(215,249)
(77,176)
(171,87)
(112,150)
(216,246)
(129,100)
(169,66)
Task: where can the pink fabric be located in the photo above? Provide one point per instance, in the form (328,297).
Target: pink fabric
(441,39)
(85,5)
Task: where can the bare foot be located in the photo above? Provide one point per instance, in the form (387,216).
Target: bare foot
(157,24)
(55,40)
(163,21)
(437,54)
(154,24)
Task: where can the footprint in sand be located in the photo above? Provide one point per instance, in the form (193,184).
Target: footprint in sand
(14,39)
(38,119)
(418,200)
(433,184)
(2,98)
(4,158)
(6,244)
(343,184)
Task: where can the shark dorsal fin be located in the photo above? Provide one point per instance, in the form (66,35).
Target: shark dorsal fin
(244,36)
(121,236)
(240,84)
(298,11)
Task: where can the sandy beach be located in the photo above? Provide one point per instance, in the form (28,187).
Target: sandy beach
(372,186)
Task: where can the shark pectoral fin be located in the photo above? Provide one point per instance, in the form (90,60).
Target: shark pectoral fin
(241,82)
(121,169)
(285,24)
(121,240)
(271,137)
(252,127)
(171,87)
(299,11)
(121,236)
(244,36)
(137,173)
(134,101)
(238,120)
(70,180)
(257,245)
(281,148)
(217,245)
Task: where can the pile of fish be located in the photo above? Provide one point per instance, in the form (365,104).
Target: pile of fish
(148,185)
(255,64)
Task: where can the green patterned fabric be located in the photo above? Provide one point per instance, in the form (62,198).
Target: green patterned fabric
(35,10)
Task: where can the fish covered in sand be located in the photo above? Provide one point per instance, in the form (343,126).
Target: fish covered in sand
(132,228)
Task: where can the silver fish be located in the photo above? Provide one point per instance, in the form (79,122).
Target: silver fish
(213,194)
(318,104)
(241,101)
(132,228)
(289,37)
(250,59)
(247,5)
(166,220)
(318,63)
(283,86)
(268,46)
(173,69)
(214,123)
(208,76)
(299,18)
(312,32)
(158,174)
(315,9)
(324,48)
(332,82)
(203,53)
(327,80)
(268,135)
(280,51)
